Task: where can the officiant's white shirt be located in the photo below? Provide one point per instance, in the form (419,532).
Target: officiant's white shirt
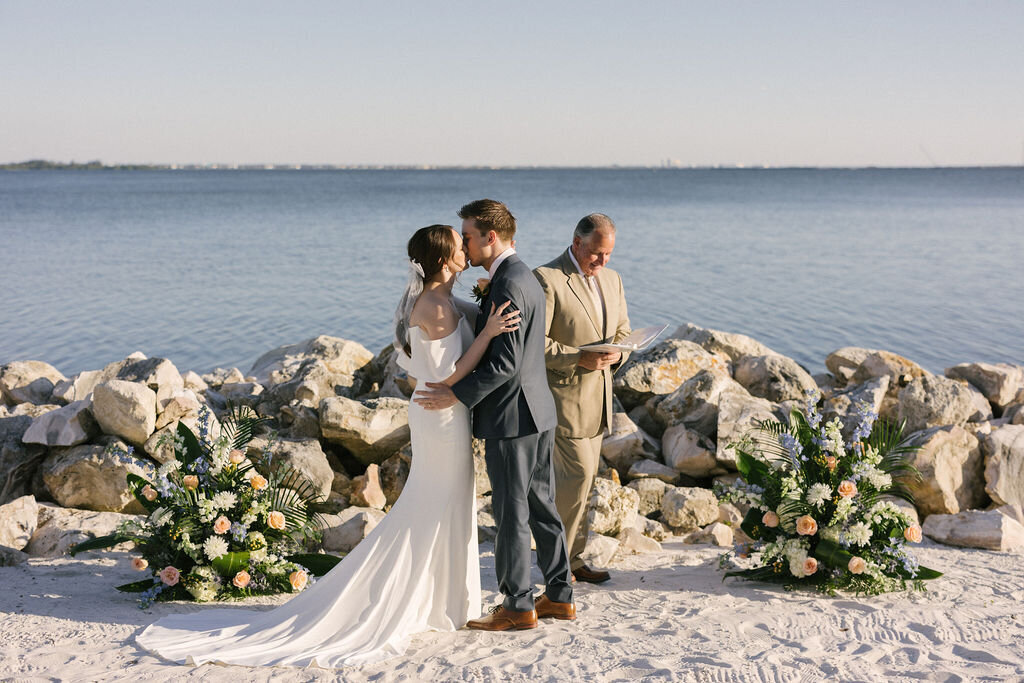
(595,291)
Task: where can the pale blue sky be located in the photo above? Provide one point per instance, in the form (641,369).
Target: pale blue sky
(547,83)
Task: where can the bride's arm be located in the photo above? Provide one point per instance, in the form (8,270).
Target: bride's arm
(497,323)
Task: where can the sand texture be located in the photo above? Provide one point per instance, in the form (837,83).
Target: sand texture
(664,616)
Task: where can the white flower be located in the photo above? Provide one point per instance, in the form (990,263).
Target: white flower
(215,546)
(818,494)
(830,533)
(858,534)
(843,509)
(168,467)
(225,500)
(160,517)
(207,510)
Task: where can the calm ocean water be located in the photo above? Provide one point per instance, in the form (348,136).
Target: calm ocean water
(212,268)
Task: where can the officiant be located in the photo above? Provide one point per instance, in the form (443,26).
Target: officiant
(585,304)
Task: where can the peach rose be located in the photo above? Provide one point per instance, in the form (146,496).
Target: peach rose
(770,519)
(170,575)
(139,563)
(236,457)
(830,462)
(275,520)
(806,526)
(258,482)
(190,481)
(149,493)
(810,566)
(241,579)
(912,533)
(298,580)
(847,489)
(221,525)
(857,565)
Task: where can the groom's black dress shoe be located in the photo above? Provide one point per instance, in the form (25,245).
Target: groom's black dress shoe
(555,610)
(588,575)
(501,619)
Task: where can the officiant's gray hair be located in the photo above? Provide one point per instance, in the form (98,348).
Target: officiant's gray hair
(589,223)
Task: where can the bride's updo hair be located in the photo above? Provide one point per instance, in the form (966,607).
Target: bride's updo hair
(432,247)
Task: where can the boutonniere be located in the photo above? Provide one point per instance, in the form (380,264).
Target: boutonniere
(481,289)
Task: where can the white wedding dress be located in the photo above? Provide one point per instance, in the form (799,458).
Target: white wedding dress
(417,571)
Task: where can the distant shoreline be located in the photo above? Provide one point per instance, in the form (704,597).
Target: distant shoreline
(42,165)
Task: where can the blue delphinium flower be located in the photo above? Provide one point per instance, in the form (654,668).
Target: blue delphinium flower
(239,531)
(794,447)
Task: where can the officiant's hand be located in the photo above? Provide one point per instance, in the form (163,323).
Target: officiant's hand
(437,396)
(592,360)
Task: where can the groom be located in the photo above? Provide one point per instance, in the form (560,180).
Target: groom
(514,413)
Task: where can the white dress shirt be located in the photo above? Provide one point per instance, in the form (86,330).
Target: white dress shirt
(595,291)
(497,261)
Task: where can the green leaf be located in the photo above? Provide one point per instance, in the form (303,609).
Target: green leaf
(193,449)
(98,543)
(137,483)
(317,563)
(753,470)
(138,586)
(230,564)
(752,525)
(926,574)
(833,554)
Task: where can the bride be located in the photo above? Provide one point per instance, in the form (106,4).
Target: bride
(418,570)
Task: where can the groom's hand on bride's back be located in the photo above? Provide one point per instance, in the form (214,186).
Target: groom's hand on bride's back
(436,396)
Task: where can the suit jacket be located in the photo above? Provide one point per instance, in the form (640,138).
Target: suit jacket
(583,398)
(508,391)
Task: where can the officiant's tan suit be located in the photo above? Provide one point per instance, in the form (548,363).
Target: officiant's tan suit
(577,313)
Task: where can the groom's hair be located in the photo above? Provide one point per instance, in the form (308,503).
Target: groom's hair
(490,214)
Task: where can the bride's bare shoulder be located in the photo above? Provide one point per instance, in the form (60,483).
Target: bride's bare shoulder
(433,314)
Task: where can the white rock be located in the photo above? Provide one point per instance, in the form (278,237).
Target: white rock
(244,393)
(611,507)
(28,381)
(1004,465)
(78,387)
(933,401)
(181,405)
(729,344)
(689,452)
(1014,512)
(730,515)
(695,403)
(366,490)
(305,456)
(950,462)
(221,376)
(738,414)
(599,550)
(18,520)
(988,529)
(844,404)
(688,508)
(662,368)
(652,528)
(94,477)
(9,557)
(632,540)
(394,473)
(60,528)
(68,426)
(650,469)
(625,444)
(341,357)
(345,530)
(372,430)
(998,382)
(650,492)
(125,409)
(842,363)
(774,377)
(193,381)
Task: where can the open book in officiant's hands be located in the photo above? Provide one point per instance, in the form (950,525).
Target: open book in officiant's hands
(638,340)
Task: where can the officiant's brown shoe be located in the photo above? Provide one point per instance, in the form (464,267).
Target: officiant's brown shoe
(501,619)
(555,610)
(588,575)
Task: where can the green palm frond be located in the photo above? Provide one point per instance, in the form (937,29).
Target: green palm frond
(239,427)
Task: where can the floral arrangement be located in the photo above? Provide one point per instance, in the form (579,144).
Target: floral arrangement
(481,289)
(216,527)
(818,511)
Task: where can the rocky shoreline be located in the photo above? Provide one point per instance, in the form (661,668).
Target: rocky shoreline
(338,414)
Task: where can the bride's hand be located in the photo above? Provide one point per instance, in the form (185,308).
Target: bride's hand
(499,321)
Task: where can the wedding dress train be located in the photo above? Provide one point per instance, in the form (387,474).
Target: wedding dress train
(417,571)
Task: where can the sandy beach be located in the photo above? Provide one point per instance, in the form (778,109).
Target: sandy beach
(664,616)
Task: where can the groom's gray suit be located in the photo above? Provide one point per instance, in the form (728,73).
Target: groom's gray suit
(514,412)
